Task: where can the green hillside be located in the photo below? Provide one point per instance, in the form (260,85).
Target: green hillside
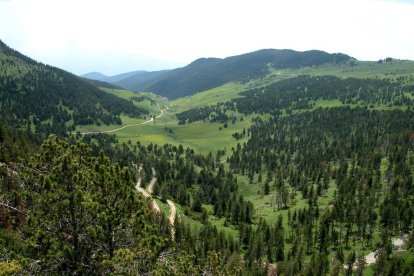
(207,73)
(51,100)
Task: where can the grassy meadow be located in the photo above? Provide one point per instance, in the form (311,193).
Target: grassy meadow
(204,137)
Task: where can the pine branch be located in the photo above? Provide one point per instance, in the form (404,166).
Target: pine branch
(10,207)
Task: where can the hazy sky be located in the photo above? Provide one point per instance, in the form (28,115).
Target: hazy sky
(115,36)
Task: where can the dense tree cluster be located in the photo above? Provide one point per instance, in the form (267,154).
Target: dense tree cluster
(142,98)
(101,84)
(77,213)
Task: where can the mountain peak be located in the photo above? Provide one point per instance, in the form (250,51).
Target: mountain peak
(204,60)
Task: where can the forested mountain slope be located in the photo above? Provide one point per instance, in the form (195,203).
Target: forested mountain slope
(333,156)
(101,84)
(306,92)
(52,100)
(207,73)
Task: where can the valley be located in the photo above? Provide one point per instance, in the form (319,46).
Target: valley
(303,161)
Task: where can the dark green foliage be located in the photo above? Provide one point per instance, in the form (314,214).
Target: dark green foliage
(207,73)
(367,154)
(15,146)
(300,93)
(99,84)
(77,214)
(48,98)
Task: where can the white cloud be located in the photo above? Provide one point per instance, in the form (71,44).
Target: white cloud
(61,32)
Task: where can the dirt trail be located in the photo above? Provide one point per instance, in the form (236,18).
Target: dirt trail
(171,218)
(153,204)
(173,212)
(113,130)
(150,187)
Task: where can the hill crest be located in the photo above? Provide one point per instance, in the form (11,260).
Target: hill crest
(206,73)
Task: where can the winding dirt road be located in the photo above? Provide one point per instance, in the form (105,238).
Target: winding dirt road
(150,187)
(173,212)
(147,194)
(153,204)
(161,111)
(113,130)
(171,218)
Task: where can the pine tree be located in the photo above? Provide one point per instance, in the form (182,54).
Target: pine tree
(267,188)
(85,212)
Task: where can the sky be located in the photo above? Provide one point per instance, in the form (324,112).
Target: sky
(116,36)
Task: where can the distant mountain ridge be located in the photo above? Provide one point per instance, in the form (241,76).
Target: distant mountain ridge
(206,73)
(94,76)
(111,79)
(141,82)
(102,84)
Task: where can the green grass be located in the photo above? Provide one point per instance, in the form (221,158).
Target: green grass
(265,208)
(196,224)
(94,128)
(321,103)
(19,68)
(359,69)
(219,223)
(264,205)
(163,206)
(124,94)
(204,137)
(213,96)
(327,103)
(153,108)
